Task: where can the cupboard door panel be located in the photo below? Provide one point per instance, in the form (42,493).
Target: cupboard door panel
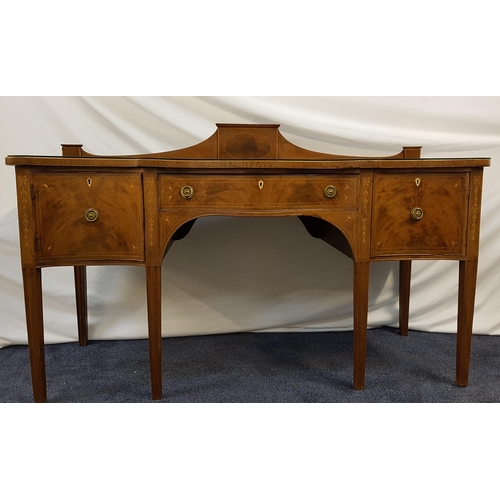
(419,214)
(83,216)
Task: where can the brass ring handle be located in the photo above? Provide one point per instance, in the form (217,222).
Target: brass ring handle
(91,214)
(187,192)
(416,213)
(330,191)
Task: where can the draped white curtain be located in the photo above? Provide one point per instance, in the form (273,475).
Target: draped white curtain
(249,274)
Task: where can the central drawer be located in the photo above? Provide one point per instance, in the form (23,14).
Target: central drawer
(253,192)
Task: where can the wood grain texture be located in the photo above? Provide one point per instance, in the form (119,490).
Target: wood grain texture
(61,201)
(259,192)
(441,230)
(244,170)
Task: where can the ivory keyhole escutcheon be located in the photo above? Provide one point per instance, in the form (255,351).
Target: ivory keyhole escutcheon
(417,181)
(89,182)
(261,184)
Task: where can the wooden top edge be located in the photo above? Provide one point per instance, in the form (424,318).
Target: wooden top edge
(248,125)
(94,158)
(228,164)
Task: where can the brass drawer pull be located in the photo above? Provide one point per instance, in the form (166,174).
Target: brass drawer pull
(187,192)
(416,213)
(330,191)
(91,214)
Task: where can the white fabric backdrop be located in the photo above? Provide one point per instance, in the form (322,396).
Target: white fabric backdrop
(249,274)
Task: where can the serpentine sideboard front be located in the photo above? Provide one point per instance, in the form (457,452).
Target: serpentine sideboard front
(81,209)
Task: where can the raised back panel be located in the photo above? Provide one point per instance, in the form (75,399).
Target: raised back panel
(242,142)
(248,142)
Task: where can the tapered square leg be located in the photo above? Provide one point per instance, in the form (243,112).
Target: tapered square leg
(32,279)
(81,304)
(153,283)
(404,295)
(361,284)
(466,295)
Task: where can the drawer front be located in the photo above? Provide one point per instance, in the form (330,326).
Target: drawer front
(89,216)
(251,192)
(419,214)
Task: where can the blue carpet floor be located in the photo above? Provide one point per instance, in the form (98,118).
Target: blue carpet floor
(260,367)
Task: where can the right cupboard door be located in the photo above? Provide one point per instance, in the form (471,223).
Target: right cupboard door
(419,214)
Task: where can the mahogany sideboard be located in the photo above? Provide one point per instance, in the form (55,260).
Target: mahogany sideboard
(80,209)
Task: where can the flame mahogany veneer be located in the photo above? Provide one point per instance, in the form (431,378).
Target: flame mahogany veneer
(81,209)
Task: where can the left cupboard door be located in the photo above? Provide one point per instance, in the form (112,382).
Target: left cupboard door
(88,216)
